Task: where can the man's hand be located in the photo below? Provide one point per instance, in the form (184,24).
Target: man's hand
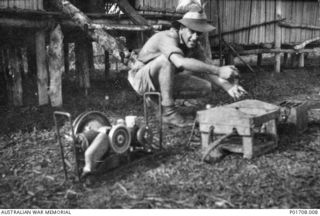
(227,72)
(237,92)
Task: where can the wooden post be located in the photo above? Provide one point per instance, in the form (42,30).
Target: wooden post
(294,60)
(66,57)
(5,68)
(277,42)
(90,56)
(42,71)
(15,73)
(31,56)
(24,56)
(259,60)
(78,72)
(220,33)
(285,59)
(3,83)
(56,66)
(106,66)
(83,64)
(301,60)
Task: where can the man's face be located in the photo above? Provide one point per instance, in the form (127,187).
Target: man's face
(189,37)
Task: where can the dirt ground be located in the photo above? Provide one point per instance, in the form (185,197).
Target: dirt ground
(31,173)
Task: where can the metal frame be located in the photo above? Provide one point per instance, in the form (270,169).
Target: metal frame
(145,106)
(68,115)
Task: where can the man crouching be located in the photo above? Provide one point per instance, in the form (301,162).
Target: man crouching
(173,63)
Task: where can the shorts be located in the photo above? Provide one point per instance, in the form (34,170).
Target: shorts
(140,78)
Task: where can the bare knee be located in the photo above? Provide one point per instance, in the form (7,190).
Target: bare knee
(162,64)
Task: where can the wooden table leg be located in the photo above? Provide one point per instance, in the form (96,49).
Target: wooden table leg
(247,142)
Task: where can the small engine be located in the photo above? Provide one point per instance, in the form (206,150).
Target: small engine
(98,139)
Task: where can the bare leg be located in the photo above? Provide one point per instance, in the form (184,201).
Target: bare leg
(162,74)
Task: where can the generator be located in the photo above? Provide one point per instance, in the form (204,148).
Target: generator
(99,146)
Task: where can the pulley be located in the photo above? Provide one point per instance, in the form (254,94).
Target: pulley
(92,120)
(86,127)
(120,138)
(145,136)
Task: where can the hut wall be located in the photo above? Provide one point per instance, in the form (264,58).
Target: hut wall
(154,6)
(22,4)
(236,14)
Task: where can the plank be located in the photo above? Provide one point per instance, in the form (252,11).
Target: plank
(132,13)
(236,36)
(262,19)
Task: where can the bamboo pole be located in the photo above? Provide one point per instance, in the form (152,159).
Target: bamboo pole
(296,25)
(42,71)
(305,43)
(219,30)
(277,36)
(301,60)
(249,27)
(290,51)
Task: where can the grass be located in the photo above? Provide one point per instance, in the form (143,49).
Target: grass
(31,171)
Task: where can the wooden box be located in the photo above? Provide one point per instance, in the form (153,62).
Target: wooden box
(295,113)
(248,118)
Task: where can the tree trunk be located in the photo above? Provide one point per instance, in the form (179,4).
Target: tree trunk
(42,71)
(94,31)
(15,73)
(56,66)
(277,43)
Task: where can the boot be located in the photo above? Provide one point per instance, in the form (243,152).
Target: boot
(171,116)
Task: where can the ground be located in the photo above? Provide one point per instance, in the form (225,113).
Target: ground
(31,173)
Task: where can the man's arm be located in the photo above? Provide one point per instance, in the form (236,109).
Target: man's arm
(194,65)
